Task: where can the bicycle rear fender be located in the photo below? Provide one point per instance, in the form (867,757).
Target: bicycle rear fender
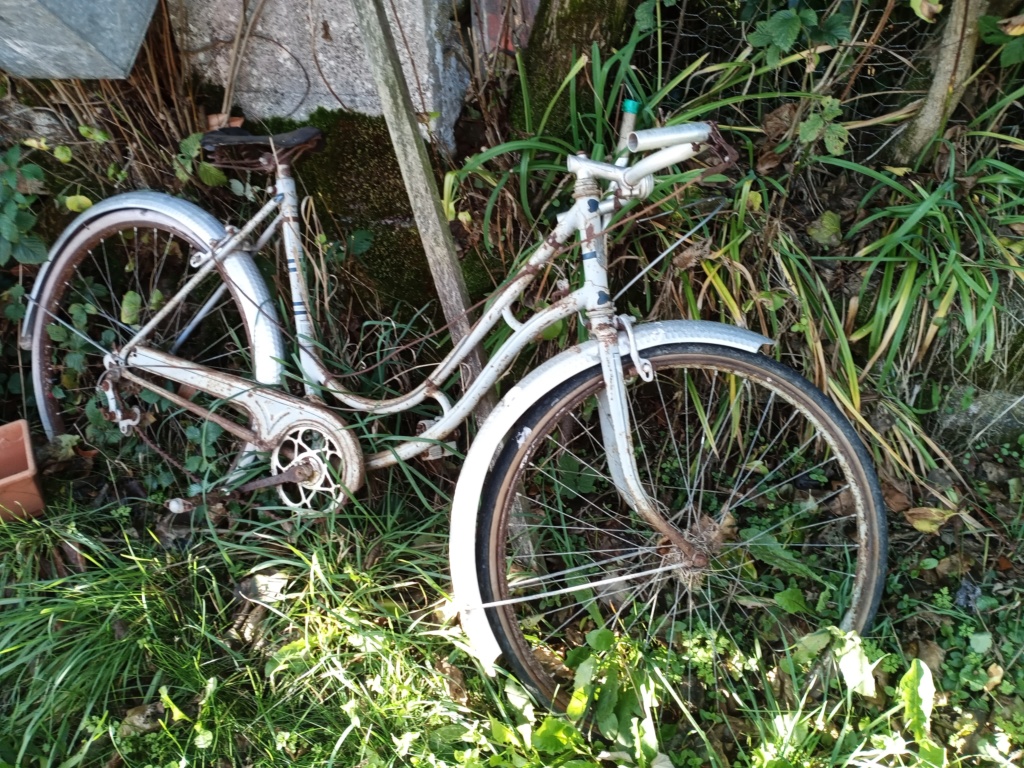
(468,492)
(247,284)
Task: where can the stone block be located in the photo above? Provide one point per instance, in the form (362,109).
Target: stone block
(301,56)
(72,38)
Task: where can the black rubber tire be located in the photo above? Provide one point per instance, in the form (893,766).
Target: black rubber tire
(83,312)
(827,541)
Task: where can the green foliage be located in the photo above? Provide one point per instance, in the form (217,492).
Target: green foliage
(779,33)
(20,185)
(1012,45)
(189,161)
(820,124)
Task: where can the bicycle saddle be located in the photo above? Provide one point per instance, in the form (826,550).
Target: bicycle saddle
(307,137)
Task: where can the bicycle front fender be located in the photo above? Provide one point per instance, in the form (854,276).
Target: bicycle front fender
(246,283)
(469,490)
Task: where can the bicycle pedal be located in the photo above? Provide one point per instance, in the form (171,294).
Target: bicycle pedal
(436,451)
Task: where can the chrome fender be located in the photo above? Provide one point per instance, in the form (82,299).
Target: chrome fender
(246,283)
(465,504)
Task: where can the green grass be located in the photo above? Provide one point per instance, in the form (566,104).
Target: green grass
(354,659)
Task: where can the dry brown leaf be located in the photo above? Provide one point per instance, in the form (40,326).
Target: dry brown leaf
(455,679)
(954,565)
(928,519)
(995,677)
(931,655)
(778,122)
(895,499)
(767,162)
(1013,26)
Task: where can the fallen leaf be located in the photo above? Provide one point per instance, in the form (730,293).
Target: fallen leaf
(768,161)
(778,122)
(925,10)
(142,719)
(1003,563)
(1013,26)
(895,499)
(77,203)
(954,565)
(995,677)
(826,229)
(931,655)
(928,519)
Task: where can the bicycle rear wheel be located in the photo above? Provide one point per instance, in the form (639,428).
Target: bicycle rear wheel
(756,468)
(112,275)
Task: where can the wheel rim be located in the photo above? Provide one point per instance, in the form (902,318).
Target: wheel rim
(576,576)
(109,281)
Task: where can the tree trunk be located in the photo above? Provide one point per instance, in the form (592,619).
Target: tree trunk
(951,67)
(562,32)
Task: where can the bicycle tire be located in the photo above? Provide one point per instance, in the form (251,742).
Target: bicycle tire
(567,571)
(109,277)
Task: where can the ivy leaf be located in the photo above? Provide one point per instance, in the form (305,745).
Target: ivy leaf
(917,692)
(131,305)
(211,175)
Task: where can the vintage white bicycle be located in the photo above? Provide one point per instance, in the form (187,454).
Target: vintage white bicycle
(660,488)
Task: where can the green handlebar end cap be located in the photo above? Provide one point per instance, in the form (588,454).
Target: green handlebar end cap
(630,106)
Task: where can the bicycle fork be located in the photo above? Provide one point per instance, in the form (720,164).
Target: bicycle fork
(612,405)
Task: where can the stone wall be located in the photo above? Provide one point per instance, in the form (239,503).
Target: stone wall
(301,55)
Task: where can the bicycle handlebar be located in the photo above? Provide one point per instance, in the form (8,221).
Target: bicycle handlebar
(658,161)
(656,138)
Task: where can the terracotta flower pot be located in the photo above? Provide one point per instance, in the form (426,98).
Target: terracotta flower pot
(19,489)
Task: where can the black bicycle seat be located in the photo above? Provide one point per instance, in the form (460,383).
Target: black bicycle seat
(238,138)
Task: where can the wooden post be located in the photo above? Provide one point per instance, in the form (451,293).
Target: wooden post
(418,176)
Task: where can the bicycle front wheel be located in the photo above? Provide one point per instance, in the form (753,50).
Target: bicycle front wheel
(757,470)
(113,274)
